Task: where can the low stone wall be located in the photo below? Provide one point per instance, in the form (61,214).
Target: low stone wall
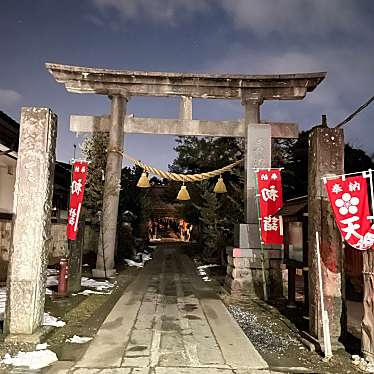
(91,239)
(58,246)
(5,240)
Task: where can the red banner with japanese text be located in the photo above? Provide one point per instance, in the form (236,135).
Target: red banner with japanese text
(269,182)
(76,197)
(350,204)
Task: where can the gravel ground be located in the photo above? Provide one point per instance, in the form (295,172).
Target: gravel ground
(275,337)
(280,345)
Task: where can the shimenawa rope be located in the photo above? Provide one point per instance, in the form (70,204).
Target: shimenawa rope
(182,177)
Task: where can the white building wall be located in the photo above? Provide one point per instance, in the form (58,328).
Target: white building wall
(7,181)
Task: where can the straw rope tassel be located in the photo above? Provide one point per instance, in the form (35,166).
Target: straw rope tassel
(220,186)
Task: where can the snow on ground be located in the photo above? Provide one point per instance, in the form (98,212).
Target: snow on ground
(202,272)
(207,266)
(79,339)
(133,263)
(2,302)
(49,320)
(32,360)
(52,280)
(98,285)
(91,292)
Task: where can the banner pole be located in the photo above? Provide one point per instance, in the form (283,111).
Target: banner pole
(324,315)
(371,192)
(264,284)
(335,176)
(71,181)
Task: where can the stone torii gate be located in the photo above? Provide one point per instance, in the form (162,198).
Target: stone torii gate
(120,86)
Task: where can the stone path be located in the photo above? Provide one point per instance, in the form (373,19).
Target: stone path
(169,321)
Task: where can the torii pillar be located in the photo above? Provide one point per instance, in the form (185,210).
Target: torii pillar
(112,187)
(244,271)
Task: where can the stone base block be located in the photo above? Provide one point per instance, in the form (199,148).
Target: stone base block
(244,272)
(37,337)
(251,285)
(100,273)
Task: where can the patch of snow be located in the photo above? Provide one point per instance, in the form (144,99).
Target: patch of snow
(2,302)
(207,266)
(99,285)
(91,292)
(52,280)
(49,320)
(146,257)
(33,360)
(78,339)
(133,263)
(52,272)
(40,347)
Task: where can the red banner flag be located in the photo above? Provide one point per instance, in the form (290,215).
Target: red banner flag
(269,182)
(76,197)
(349,201)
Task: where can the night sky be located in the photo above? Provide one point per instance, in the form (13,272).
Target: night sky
(216,36)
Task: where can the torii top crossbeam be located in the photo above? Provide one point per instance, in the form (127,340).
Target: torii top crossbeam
(207,86)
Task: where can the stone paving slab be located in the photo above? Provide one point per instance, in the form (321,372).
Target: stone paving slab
(110,342)
(170,321)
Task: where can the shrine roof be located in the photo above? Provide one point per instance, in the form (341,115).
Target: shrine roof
(294,207)
(81,79)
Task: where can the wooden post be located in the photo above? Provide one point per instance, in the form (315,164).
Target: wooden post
(75,256)
(305,264)
(291,287)
(326,156)
(367,341)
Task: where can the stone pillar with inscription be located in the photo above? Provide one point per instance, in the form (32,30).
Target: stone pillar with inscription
(244,274)
(32,223)
(112,186)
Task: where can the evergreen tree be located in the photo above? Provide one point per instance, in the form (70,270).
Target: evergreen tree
(212,226)
(133,199)
(356,159)
(94,148)
(292,155)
